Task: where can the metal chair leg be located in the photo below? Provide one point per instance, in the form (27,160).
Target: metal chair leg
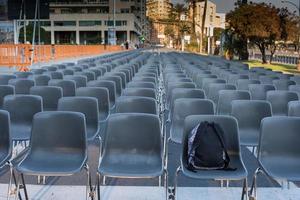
(254,185)
(176,182)
(166,183)
(245,189)
(18,186)
(89,187)
(10,180)
(98,186)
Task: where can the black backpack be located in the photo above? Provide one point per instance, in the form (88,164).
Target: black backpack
(206,148)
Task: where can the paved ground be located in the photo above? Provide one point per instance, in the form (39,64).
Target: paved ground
(74,187)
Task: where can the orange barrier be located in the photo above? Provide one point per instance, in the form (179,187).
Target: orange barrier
(20,55)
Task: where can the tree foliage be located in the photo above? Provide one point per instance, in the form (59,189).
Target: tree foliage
(262,24)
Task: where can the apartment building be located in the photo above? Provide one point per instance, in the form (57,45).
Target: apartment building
(95,21)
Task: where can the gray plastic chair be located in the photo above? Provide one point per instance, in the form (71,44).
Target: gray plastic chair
(40,80)
(206,82)
(214,88)
(90,75)
(294,109)
(143,92)
(5,139)
(110,85)
(174,85)
(231,138)
(86,105)
(259,91)
(184,107)
(22,86)
(23,74)
(57,147)
(243,84)
(145,79)
(121,75)
(4,91)
(80,80)
(49,94)
(97,72)
(68,86)
(295,88)
(131,104)
(4,78)
(55,75)
(278,152)
(279,101)
(283,84)
(101,94)
(200,78)
(249,114)
(267,79)
(22,108)
(132,148)
(117,80)
(67,71)
(227,96)
(38,71)
(126,72)
(296,79)
(138,84)
(233,78)
(51,68)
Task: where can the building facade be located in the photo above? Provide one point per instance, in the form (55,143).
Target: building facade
(157,11)
(95,21)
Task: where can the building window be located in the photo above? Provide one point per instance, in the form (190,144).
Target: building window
(64,23)
(45,23)
(109,23)
(125,10)
(89,23)
(93,10)
(118,23)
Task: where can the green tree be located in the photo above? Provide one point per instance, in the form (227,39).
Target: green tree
(258,22)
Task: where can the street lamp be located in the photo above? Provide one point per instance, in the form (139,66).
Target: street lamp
(298,8)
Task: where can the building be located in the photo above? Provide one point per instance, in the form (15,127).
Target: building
(94,21)
(157,11)
(213,19)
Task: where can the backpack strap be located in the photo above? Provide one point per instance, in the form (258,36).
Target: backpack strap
(219,132)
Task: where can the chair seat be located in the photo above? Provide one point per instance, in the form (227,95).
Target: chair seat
(43,162)
(235,162)
(130,165)
(20,132)
(282,167)
(249,137)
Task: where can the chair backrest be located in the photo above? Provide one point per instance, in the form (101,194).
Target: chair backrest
(249,114)
(67,72)
(90,75)
(80,80)
(59,132)
(110,85)
(86,105)
(279,140)
(116,79)
(68,86)
(55,75)
(200,77)
(23,74)
(40,79)
(294,109)
(227,96)
(38,71)
(295,88)
(206,82)
(5,138)
(138,84)
(296,79)
(131,104)
(4,91)
(184,107)
(267,79)
(282,84)
(279,101)
(228,124)
(4,78)
(22,85)
(214,88)
(145,79)
(132,134)
(101,94)
(243,84)
(97,72)
(122,75)
(259,91)
(49,94)
(143,92)
(22,108)
(174,85)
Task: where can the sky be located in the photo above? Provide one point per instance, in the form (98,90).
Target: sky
(224,6)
